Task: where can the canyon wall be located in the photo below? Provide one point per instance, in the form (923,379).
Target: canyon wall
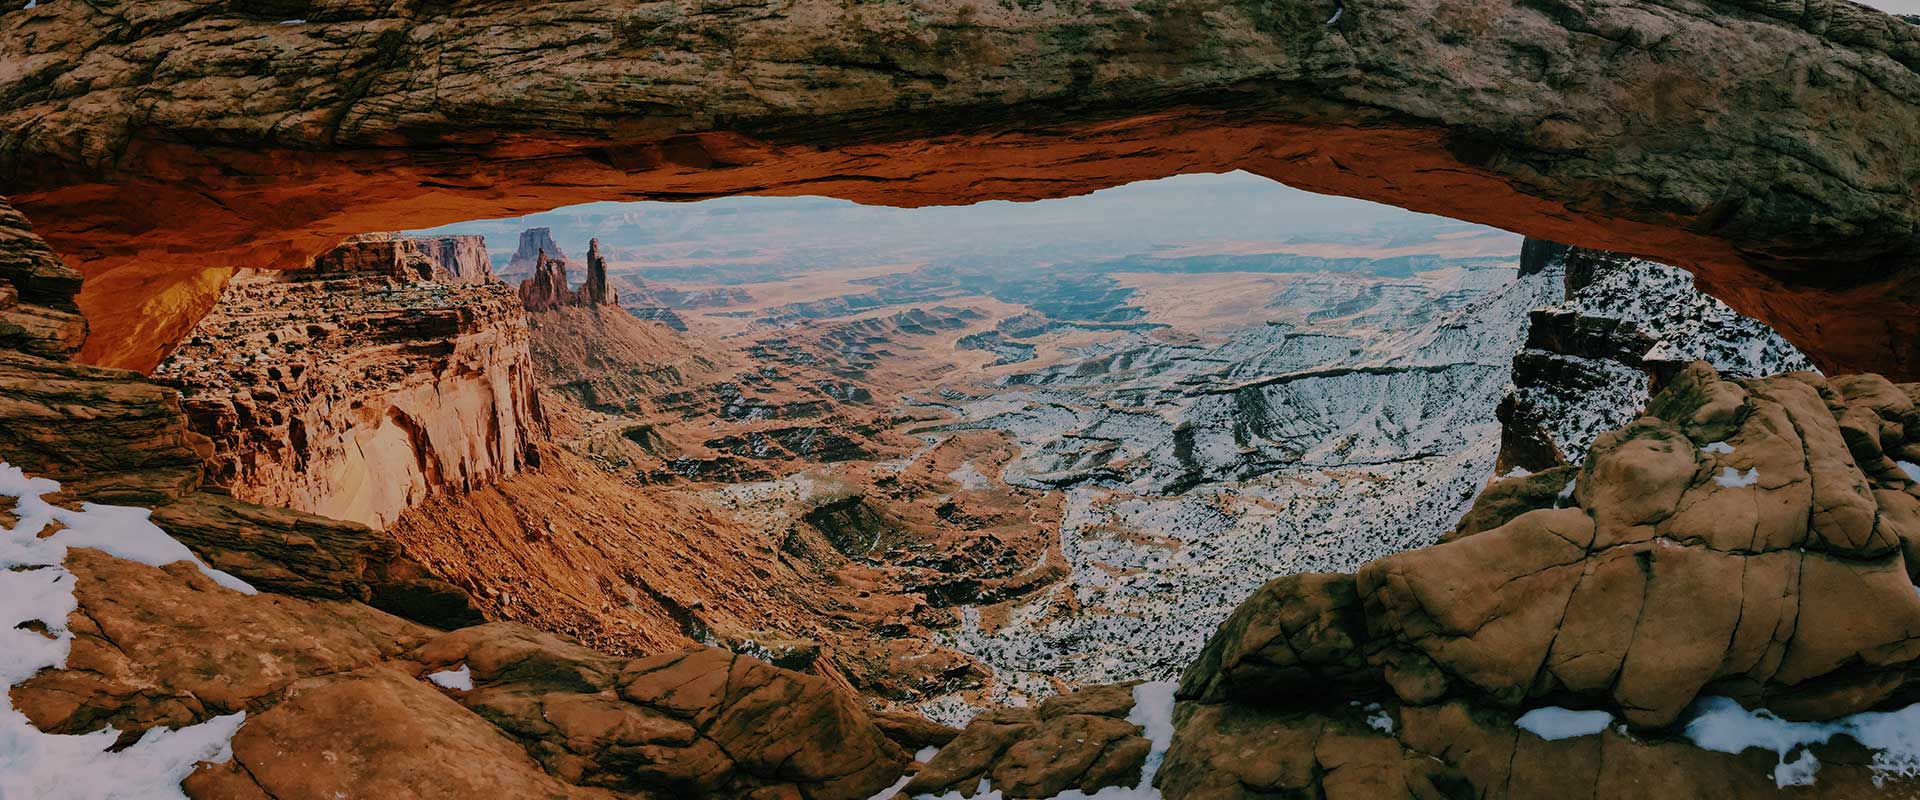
(275,632)
(1772,148)
(358,388)
(464,258)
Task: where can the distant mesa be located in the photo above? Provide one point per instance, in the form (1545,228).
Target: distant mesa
(548,289)
(535,243)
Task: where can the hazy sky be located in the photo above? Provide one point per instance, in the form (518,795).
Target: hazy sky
(1183,208)
(1895,6)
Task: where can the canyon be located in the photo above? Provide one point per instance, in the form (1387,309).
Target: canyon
(1193,487)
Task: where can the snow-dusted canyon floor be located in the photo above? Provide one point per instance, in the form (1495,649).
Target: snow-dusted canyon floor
(1197,466)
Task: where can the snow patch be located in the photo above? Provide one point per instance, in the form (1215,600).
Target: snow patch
(1554,723)
(971,478)
(1720,448)
(36,594)
(1912,470)
(1720,723)
(1377,717)
(1731,478)
(457,679)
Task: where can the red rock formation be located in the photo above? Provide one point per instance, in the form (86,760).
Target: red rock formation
(191,144)
(596,292)
(547,289)
(358,388)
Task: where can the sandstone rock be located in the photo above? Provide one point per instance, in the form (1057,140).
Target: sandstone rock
(375,732)
(169,647)
(1297,636)
(535,245)
(1506,498)
(37,311)
(548,288)
(1662,136)
(290,552)
(596,292)
(1232,752)
(381,254)
(1456,750)
(701,723)
(30,266)
(912,731)
(1626,327)
(357,389)
(464,258)
(1077,741)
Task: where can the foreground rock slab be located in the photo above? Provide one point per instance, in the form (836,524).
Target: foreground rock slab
(1079,741)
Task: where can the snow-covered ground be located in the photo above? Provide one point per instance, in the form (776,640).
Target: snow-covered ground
(36,597)
(1192,473)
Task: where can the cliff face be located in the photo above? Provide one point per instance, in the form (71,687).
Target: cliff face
(37,289)
(464,258)
(548,288)
(1626,326)
(357,389)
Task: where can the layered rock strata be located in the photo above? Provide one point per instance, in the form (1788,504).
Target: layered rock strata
(37,311)
(535,244)
(1082,741)
(464,258)
(360,387)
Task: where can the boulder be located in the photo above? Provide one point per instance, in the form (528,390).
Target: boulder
(699,723)
(1077,741)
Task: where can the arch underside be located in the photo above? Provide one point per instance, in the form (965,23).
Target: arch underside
(1777,159)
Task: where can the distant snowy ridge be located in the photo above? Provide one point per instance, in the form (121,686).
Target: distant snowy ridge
(1194,473)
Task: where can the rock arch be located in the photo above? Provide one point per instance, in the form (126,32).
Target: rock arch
(1770,146)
